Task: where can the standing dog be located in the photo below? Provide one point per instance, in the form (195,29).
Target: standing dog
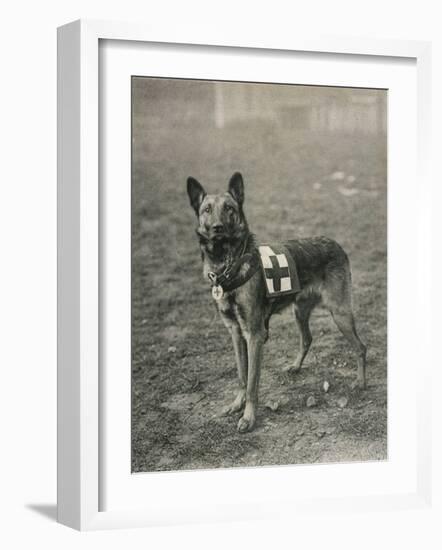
(230,259)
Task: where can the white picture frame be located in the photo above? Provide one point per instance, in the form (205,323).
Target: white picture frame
(79,265)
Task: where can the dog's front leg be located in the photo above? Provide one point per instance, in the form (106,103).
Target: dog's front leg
(240,347)
(255,342)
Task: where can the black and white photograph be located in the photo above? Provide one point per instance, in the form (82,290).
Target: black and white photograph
(258,274)
(221,266)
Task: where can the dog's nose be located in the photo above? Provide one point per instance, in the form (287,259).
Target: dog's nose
(217,227)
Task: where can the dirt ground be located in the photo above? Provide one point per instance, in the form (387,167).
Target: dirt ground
(298,183)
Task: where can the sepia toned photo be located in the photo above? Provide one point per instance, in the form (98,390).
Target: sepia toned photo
(259,274)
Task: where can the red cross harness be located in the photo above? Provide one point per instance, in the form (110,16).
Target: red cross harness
(276,273)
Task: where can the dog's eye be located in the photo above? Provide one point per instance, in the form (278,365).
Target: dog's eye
(208,209)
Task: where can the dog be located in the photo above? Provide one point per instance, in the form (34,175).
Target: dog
(229,252)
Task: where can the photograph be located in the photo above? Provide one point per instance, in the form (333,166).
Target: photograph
(258,274)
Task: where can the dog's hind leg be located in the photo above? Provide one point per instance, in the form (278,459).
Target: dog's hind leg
(343,317)
(337,299)
(302,309)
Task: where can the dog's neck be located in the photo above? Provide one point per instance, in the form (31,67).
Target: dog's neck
(219,254)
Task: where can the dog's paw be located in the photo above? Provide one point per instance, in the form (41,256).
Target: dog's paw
(236,406)
(225,411)
(291,369)
(229,409)
(246,424)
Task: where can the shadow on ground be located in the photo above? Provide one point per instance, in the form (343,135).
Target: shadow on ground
(48,511)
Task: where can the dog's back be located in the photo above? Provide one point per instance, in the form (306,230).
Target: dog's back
(323,268)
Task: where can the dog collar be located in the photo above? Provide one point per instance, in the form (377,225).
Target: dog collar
(233,277)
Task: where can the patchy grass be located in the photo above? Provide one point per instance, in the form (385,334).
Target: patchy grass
(183,368)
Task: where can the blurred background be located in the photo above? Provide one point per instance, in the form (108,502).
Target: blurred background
(314,161)
(309,108)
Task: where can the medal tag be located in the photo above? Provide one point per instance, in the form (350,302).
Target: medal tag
(217,292)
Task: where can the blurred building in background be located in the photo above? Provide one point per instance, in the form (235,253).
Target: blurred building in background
(314,108)
(221,104)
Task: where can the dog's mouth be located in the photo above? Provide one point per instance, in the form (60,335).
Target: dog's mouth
(219,236)
(213,237)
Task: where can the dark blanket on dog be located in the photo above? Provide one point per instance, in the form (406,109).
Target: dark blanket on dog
(279,269)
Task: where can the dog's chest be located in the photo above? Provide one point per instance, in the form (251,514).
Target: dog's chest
(232,306)
(227,306)
(231,310)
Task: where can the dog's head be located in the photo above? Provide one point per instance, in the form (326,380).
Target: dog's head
(220,217)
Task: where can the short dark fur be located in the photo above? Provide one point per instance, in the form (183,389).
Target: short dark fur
(324,274)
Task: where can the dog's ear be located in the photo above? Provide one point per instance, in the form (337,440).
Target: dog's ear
(196,193)
(236,188)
